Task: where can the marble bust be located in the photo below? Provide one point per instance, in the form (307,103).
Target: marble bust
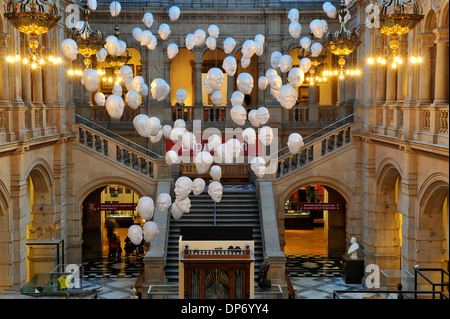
(353,249)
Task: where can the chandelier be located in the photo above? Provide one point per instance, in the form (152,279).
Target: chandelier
(342,42)
(32,17)
(89,42)
(397,17)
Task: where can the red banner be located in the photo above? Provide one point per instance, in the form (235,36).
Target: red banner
(112,206)
(319,206)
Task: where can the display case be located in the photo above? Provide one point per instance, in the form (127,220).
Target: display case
(298,220)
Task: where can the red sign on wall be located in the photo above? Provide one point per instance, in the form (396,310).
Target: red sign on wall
(319,206)
(112,206)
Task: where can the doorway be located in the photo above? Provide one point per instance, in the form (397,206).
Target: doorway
(315,222)
(107,210)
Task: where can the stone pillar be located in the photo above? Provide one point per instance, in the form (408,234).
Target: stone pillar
(167,63)
(442,64)
(26,84)
(198,82)
(425,69)
(230,88)
(391,82)
(261,69)
(4,92)
(36,77)
(401,75)
(312,99)
(380,94)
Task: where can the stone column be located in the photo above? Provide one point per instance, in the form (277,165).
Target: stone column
(425,69)
(4,96)
(391,82)
(380,94)
(26,84)
(36,77)
(442,64)
(48,85)
(261,69)
(401,75)
(198,82)
(230,88)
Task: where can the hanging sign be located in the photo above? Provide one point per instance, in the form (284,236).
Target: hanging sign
(319,206)
(112,206)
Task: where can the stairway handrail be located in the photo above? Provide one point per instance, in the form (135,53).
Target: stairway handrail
(312,134)
(117,135)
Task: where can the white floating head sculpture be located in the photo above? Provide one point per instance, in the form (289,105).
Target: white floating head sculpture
(155,125)
(233,147)
(160,89)
(101,55)
(99,99)
(248,49)
(245,62)
(318,28)
(176,212)
(237,98)
(215,79)
(305,43)
(190,41)
(135,234)
(150,231)
(211,43)
(176,134)
(69,48)
(228,45)
(146,37)
(275,59)
(258,166)
(180,123)
(136,33)
(262,114)
(167,129)
(174,13)
(222,154)
(138,82)
(142,125)
(295,143)
(153,43)
(259,48)
(163,202)
(216,98)
(172,50)
(238,115)
(208,88)
(164,31)
(262,83)
(183,187)
(275,82)
(252,117)
(184,205)
(120,48)
(329,9)
(92,4)
(296,77)
(143,90)
(126,73)
(305,65)
(213,31)
(216,173)
(316,48)
(274,93)
(145,207)
(265,135)
(133,99)
(157,137)
(172,158)
(270,72)
(285,63)
(198,186)
(215,190)
(229,65)
(111,43)
(249,135)
(90,80)
(260,37)
(287,96)
(114,8)
(245,83)
(199,37)
(181,96)
(117,90)
(293,15)
(295,29)
(214,141)
(188,140)
(203,161)
(148,19)
(114,106)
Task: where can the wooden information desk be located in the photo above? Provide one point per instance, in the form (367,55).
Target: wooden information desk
(217,273)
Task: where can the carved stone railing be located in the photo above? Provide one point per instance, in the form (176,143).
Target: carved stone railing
(315,150)
(216,253)
(181,112)
(153,167)
(100,114)
(214,114)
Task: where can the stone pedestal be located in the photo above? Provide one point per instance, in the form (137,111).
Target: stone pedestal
(353,270)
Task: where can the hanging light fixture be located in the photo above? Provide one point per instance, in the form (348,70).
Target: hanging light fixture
(316,61)
(89,42)
(342,42)
(32,17)
(117,61)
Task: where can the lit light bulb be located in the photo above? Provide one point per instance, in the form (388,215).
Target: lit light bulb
(335,72)
(396,59)
(383,61)
(352,72)
(325,73)
(400,61)
(357,72)
(413,59)
(394,65)
(341,76)
(379,60)
(370,61)
(25,60)
(50,58)
(119,79)
(324,79)
(17,57)
(104,79)
(419,59)
(33,65)
(110,80)
(41,61)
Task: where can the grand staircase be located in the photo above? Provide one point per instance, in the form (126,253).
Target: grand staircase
(238,209)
